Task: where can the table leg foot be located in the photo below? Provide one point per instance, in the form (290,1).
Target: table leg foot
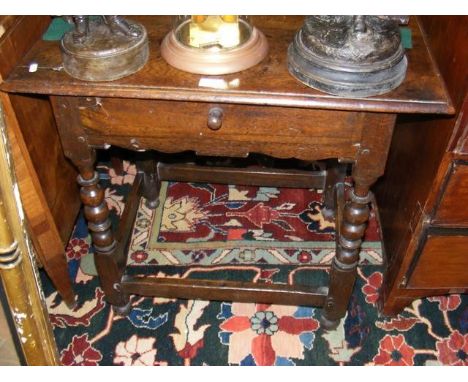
(152,204)
(327,324)
(328,213)
(72,304)
(123,310)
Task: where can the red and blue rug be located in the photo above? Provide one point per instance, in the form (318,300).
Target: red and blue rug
(272,235)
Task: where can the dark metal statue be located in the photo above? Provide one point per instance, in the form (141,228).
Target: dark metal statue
(116,24)
(356,56)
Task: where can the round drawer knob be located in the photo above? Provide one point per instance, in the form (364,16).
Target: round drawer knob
(215,118)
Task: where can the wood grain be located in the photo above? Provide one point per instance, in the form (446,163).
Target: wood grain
(452,207)
(178,126)
(224,290)
(439,268)
(51,205)
(20,33)
(57,181)
(267,83)
(460,138)
(250,176)
(46,238)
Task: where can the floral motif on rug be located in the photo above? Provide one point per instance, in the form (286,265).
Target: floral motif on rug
(160,331)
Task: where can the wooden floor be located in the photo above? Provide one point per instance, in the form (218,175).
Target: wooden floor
(8,356)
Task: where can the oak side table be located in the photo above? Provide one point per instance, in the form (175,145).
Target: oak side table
(261,110)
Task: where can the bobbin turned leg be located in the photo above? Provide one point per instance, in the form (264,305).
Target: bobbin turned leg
(110,263)
(343,269)
(368,167)
(109,267)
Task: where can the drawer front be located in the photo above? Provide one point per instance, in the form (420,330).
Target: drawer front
(173,126)
(442,261)
(453,205)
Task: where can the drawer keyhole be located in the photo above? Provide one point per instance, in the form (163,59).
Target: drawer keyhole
(215,118)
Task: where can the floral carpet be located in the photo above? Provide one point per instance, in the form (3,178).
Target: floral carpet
(256,234)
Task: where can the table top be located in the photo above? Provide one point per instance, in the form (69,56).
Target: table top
(268,83)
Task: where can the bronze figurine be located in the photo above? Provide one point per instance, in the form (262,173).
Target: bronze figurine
(116,24)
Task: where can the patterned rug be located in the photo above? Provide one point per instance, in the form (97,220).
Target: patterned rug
(260,234)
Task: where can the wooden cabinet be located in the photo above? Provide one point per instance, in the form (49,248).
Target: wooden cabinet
(423,198)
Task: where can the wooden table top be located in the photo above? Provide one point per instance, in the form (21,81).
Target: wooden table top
(268,83)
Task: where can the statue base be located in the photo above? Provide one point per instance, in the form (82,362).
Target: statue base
(330,54)
(104,56)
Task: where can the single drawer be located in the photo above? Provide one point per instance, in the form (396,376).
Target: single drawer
(226,129)
(442,260)
(453,206)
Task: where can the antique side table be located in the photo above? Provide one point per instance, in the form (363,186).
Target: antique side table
(260,110)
